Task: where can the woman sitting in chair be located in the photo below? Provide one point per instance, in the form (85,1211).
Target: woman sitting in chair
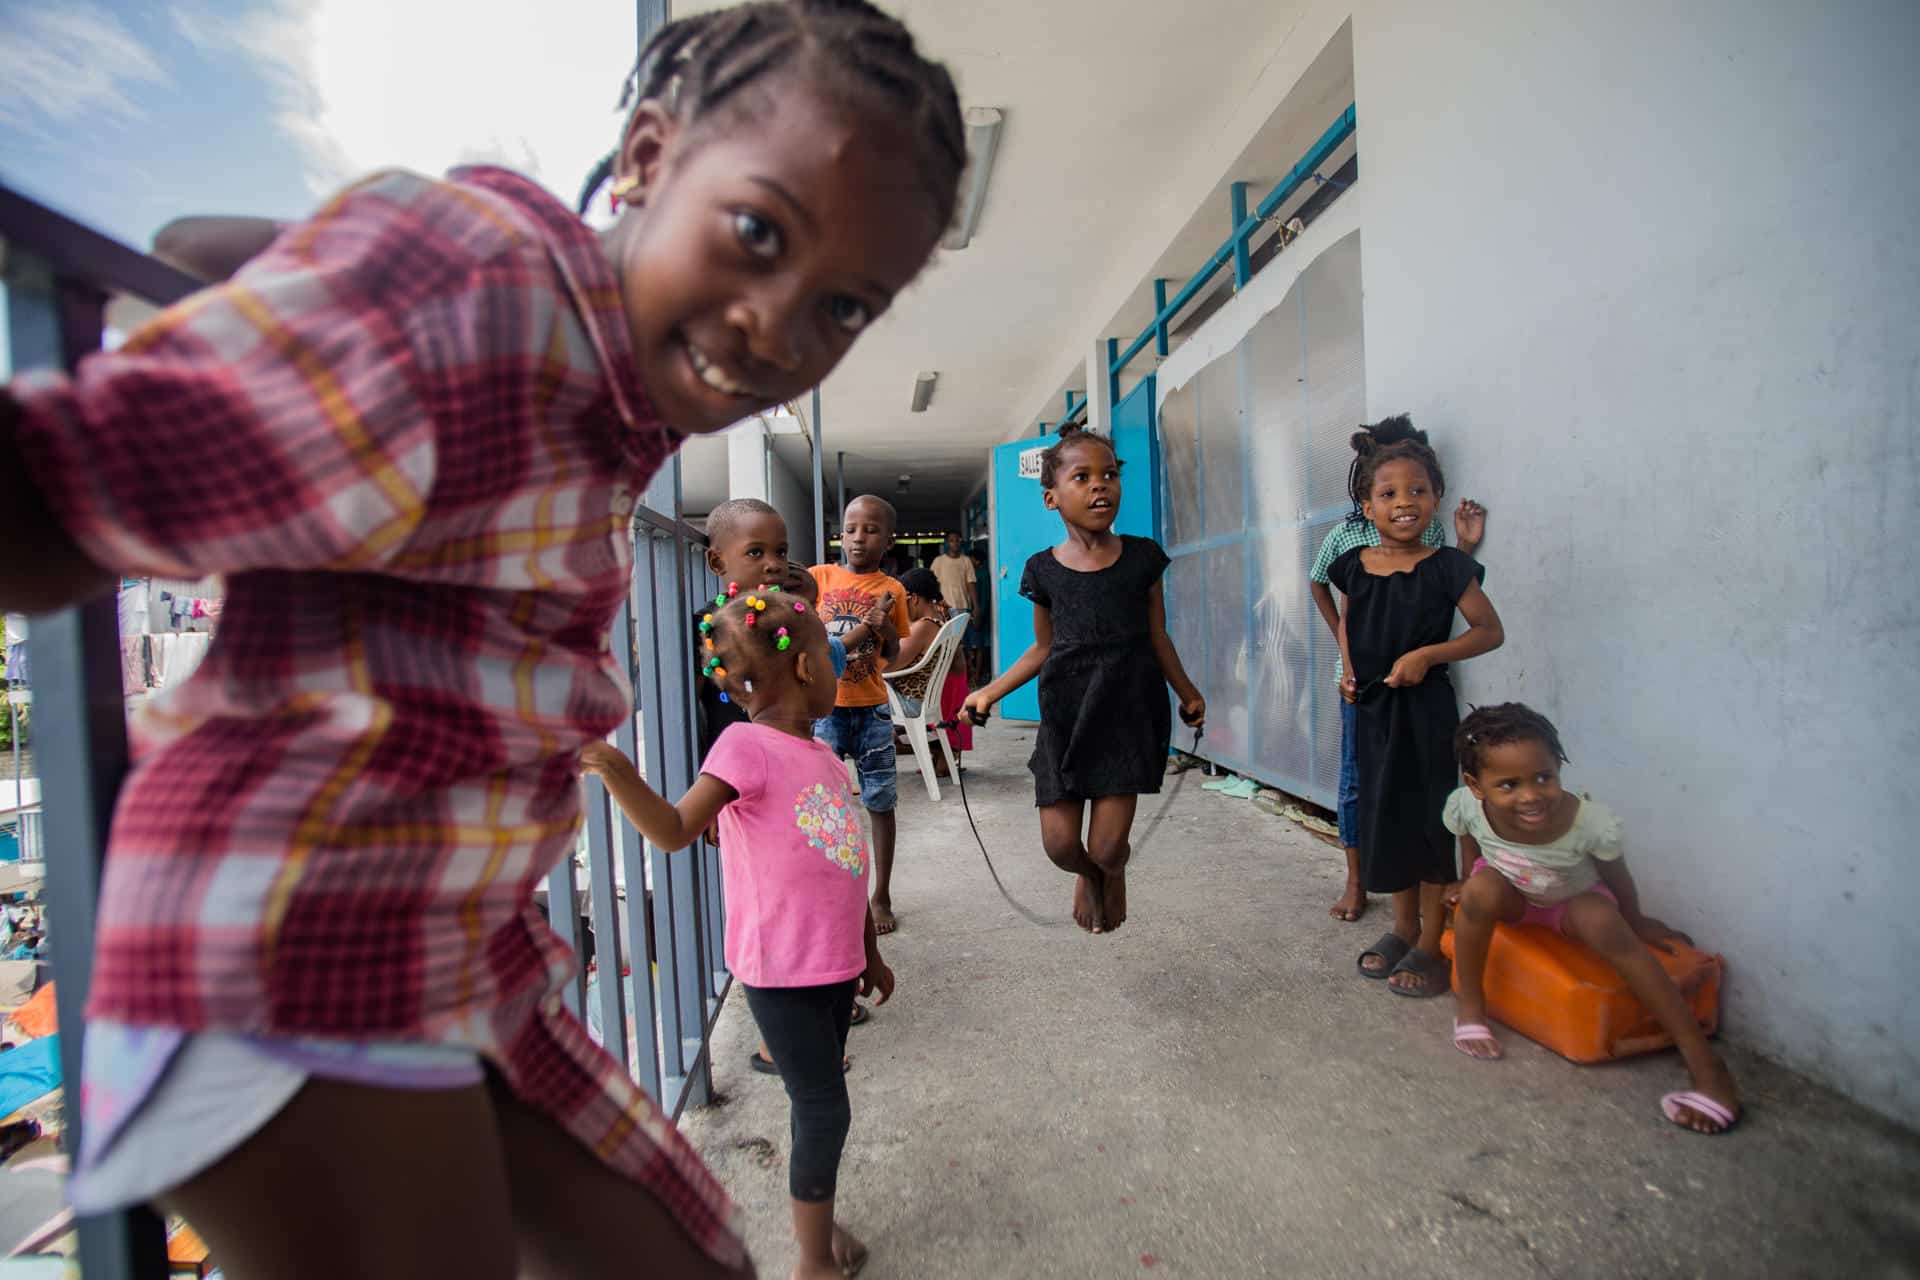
(928,613)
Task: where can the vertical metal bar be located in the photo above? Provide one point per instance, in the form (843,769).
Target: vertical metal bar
(841,475)
(640,927)
(609,999)
(1250,544)
(819,483)
(687,884)
(1242,260)
(649,17)
(563,913)
(1160,317)
(80,753)
(1113,371)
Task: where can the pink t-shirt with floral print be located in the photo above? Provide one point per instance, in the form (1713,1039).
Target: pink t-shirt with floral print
(793,860)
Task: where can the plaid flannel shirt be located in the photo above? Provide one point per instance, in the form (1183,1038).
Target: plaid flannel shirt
(411,435)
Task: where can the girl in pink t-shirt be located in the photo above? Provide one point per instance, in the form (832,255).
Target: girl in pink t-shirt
(793,863)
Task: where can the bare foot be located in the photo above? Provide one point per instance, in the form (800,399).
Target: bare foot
(1086,903)
(1717,1083)
(1113,899)
(848,1252)
(1352,905)
(883,921)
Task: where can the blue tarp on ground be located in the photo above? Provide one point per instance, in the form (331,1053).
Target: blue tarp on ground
(28,1072)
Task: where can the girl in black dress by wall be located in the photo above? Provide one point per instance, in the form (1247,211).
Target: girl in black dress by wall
(1401,597)
(1104,660)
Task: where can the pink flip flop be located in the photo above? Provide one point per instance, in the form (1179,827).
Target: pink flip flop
(1700,1102)
(1465,1033)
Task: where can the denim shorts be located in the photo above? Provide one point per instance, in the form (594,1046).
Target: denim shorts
(1349,807)
(864,735)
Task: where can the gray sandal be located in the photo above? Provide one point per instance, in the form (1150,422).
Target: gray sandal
(1433,971)
(1392,948)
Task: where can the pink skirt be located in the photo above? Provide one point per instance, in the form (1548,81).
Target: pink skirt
(953,694)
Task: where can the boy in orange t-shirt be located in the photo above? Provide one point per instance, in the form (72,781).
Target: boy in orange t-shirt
(861,726)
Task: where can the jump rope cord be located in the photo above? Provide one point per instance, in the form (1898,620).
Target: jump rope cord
(960,779)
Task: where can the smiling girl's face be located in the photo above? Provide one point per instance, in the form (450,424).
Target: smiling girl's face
(1403,500)
(759,243)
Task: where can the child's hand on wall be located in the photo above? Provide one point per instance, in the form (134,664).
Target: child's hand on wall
(1469,525)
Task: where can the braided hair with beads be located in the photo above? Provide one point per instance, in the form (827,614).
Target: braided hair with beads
(697,64)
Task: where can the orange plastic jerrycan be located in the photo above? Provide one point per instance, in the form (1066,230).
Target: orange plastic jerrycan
(1560,993)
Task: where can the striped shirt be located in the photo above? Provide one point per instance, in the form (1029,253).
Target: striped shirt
(411,435)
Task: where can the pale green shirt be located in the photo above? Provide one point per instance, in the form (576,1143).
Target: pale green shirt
(1545,874)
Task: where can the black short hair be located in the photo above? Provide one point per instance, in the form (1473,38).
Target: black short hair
(695,64)
(893,517)
(1499,725)
(1370,462)
(1366,440)
(922,583)
(724,519)
(1069,438)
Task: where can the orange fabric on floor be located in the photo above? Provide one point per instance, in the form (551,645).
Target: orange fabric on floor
(38,1016)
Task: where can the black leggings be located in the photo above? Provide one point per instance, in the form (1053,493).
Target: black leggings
(806,1032)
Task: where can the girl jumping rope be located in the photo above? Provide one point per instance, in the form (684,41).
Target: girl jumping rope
(1401,598)
(1104,660)
(793,860)
(410,433)
(1542,855)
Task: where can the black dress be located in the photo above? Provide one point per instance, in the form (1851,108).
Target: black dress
(1105,720)
(1403,738)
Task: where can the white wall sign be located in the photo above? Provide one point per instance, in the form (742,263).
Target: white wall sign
(1030,463)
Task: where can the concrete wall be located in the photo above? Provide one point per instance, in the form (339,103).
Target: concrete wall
(792,497)
(1649,275)
(754,470)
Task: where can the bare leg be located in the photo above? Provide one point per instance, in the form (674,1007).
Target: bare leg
(1406,924)
(1487,899)
(1107,844)
(354,1181)
(885,826)
(1596,921)
(1353,902)
(1060,836)
(576,1219)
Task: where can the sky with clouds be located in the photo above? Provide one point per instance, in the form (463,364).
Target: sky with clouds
(126,113)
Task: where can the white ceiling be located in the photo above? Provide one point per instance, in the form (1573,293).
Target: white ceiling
(1108,108)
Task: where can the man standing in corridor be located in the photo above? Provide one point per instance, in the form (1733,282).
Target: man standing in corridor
(954,569)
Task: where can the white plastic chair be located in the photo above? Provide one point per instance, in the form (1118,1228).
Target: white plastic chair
(935,662)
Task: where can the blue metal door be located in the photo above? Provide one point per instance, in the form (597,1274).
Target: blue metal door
(1022,525)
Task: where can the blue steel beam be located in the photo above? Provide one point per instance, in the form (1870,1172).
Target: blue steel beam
(1338,132)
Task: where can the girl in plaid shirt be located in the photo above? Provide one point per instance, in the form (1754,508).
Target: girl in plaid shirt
(326,1016)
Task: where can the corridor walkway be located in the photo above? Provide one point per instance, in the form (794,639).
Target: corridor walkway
(1212,1092)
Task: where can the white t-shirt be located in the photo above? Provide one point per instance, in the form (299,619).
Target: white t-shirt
(956,576)
(1545,874)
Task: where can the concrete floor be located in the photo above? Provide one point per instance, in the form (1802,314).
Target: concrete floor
(1211,1091)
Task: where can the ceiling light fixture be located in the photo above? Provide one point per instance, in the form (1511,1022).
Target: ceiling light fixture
(983,139)
(923,391)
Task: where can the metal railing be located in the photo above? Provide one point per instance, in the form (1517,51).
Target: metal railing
(661,911)
(59,278)
(1236,248)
